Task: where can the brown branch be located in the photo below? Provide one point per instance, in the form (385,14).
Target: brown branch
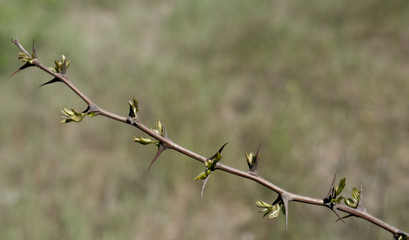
(285,195)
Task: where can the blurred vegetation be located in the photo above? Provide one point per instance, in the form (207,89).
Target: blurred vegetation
(322,85)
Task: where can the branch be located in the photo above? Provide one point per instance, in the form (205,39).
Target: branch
(353,206)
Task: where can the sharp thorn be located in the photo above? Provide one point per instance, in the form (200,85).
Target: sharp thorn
(34,55)
(160,150)
(285,202)
(54,80)
(347,216)
(330,194)
(336,213)
(21,68)
(220,151)
(204,185)
(253,168)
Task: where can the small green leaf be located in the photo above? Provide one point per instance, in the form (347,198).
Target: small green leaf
(133,108)
(71,115)
(91,114)
(203,175)
(270,210)
(355,194)
(24,57)
(338,200)
(275,211)
(350,202)
(144,141)
(340,187)
(262,204)
(159,127)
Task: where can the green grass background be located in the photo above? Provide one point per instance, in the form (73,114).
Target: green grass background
(322,85)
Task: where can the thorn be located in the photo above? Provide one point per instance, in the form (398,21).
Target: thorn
(86,110)
(160,150)
(286,216)
(336,213)
(220,151)
(204,185)
(54,80)
(26,65)
(360,202)
(285,200)
(347,216)
(278,199)
(331,191)
(161,147)
(34,55)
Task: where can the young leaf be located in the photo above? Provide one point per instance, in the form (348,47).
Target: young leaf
(252,160)
(355,194)
(269,210)
(350,202)
(340,187)
(144,141)
(133,107)
(203,175)
(275,211)
(338,200)
(71,115)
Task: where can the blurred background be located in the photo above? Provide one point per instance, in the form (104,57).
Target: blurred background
(321,85)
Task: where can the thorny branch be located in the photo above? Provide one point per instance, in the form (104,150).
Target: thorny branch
(331,201)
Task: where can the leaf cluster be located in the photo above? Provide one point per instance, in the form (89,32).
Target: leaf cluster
(337,197)
(271,210)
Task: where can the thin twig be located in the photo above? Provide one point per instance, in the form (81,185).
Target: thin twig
(169,144)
